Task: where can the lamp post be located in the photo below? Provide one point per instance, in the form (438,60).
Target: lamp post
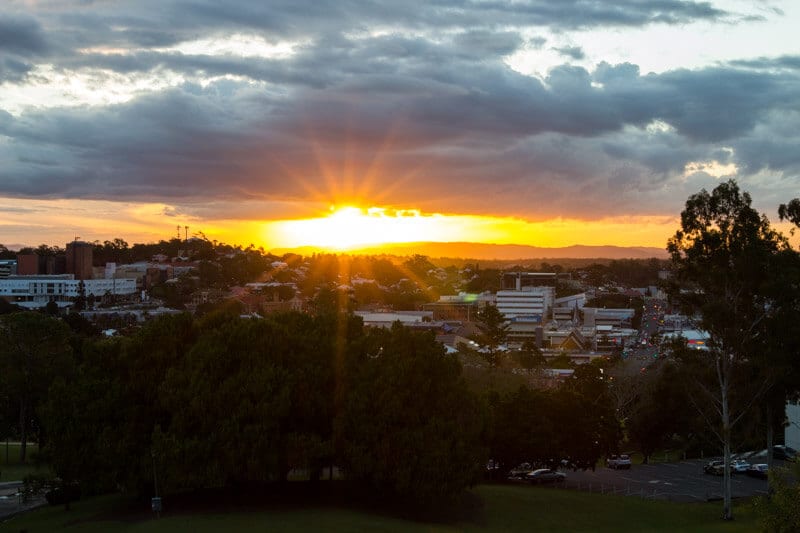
(155,502)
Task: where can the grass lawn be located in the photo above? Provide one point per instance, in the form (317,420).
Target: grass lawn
(13,470)
(491,508)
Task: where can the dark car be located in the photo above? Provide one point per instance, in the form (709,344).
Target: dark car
(715,467)
(619,461)
(759,470)
(784,453)
(545,475)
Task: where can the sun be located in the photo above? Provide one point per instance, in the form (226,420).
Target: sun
(348,227)
(345,228)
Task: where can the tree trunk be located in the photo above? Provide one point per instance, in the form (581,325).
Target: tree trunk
(727,509)
(770,437)
(23,429)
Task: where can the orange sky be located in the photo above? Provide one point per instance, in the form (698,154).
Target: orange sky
(349,227)
(500,122)
(338,229)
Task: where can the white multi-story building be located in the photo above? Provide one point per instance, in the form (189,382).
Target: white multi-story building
(531,304)
(525,310)
(37,291)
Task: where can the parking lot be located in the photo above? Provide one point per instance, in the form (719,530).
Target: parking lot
(679,481)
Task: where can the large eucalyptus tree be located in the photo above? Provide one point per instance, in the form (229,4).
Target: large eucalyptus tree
(724,259)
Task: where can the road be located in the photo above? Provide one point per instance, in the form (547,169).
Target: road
(10,503)
(678,481)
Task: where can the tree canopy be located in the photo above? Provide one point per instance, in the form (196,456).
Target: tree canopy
(723,264)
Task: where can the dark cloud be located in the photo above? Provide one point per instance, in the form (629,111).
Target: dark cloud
(404,115)
(21,36)
(575,52)
(487,43)
(770,63)
(159,23)
(13,70)
(21,40)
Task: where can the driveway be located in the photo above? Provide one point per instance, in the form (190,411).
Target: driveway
(679,481)
(10,503)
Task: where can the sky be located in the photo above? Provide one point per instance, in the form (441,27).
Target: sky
(335,123)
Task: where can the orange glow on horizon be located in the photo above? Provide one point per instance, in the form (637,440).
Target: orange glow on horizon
(350,228)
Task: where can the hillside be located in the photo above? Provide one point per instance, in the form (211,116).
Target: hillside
(503,252)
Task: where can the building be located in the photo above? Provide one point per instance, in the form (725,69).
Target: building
(462,307)
(596,316)
(27,264)
(385,320)
(36,291)
(516,281)
(79,259)
(526,310)
(8,267)
(34,264)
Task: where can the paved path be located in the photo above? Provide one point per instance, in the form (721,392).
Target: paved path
(10,502)
(677,481)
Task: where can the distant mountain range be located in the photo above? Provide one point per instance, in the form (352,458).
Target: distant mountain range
(503,252)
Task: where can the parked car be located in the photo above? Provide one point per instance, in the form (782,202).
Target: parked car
(618,461)
(758,470)
(519,471)
(784,453)
(715,467)
(739,466)
(545,475)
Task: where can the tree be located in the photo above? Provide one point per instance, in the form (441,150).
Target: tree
(591,409)
(80,417)
(493,333)
(34,349)
(530,356)
(721,259)
(226,410)
(410,428)
(51,308)
(524,429)
(779,511)
(658,411)
(418,267)
(790,211)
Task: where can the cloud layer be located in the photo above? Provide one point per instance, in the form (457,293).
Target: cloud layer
(409,104)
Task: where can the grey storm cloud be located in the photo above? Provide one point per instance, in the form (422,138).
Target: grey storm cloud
(21,39)
(158,23)
(575,52)
(782,62)
(425,107)
(21,36)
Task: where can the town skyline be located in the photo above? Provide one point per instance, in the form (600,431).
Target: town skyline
(338,126)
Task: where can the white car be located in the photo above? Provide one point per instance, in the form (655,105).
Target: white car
(739,466)
(619,461)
